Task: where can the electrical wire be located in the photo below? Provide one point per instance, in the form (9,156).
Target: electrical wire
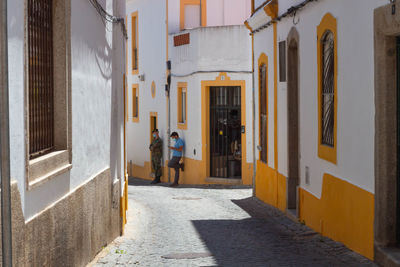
(109,18)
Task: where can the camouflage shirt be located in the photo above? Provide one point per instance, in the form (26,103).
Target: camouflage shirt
(156,147)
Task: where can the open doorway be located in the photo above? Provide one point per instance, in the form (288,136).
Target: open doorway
(293,122)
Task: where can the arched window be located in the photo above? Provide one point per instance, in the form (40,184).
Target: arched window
(328,89)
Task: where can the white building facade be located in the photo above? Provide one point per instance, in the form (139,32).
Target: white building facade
(67,160)
(320,69)
(206,48)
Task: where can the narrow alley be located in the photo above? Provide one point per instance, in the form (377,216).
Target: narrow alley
(215,226)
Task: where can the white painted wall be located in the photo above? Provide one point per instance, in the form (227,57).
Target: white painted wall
(152,63)
(211,50)
(96,100)
(355,147)
(219,13)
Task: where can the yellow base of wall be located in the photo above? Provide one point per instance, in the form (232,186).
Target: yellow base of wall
(195,172)
(344,213)
(271,186)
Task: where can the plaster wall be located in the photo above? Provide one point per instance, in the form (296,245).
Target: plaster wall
(92,88)
(226,48)
(151,57)
(355,129)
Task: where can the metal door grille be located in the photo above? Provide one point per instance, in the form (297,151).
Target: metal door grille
(263,112)
(225,132)
(328,89)
(398,138)
(40,72)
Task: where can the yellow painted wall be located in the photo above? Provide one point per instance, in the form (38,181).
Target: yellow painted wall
(344,213)
(270,186)
(195,172)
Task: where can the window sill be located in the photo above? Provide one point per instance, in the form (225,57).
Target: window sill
(135,119)
(182,126)
(46,167)
(327,153)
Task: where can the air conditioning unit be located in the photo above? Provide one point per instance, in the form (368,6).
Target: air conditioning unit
(141,77)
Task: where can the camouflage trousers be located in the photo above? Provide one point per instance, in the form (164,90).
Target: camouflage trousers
(156,165)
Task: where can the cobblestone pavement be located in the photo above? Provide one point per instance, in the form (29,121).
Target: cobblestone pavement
(215,226)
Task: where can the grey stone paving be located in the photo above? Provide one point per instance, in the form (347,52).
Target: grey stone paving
(215,226)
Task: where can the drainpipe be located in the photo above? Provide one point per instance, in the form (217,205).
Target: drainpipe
(5,140)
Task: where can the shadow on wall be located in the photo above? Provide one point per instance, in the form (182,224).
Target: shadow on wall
(268,237)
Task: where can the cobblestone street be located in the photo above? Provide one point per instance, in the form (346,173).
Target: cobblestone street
(215,226)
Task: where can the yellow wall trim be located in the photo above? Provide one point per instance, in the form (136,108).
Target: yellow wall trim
(275,96)
(193,2)
(248,26)
(344,213)
(271,9)
(271,186)
(328,22)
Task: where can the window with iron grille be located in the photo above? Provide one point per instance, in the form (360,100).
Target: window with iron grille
(182,107)
(40,77)
(263,112)
(328,94)
(282,61)
(134,41)
(135,102)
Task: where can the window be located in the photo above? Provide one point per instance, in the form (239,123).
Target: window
(192,14)
(182,105)
(40,75)
(282,61)
(263,112)
(135,103)
(47,91)
(327,89)
(328,97)
(135,64)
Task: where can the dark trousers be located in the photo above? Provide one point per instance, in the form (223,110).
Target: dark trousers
(174,163)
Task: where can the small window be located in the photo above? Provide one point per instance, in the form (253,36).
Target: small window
(182,105)
(328,93)
(282,61)
(135,103)
(263,112)
(41,77)
(135,42)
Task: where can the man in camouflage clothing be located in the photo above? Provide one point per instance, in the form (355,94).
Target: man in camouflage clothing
(156,156)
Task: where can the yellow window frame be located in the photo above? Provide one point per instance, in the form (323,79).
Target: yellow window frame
(328,23)
(203,9)
(182,87)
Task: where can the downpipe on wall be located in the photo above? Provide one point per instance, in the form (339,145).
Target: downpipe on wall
(5,140)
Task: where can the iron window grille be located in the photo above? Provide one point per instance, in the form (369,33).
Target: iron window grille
(40,77)
(263,112)
(328,89)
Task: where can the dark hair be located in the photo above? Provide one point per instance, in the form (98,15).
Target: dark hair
(174,134)
(155,131)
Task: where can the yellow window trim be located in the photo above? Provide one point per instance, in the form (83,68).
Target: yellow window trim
(328,22)
(193,2)
(263,59)
(182,87)
(135,92)
(135,42)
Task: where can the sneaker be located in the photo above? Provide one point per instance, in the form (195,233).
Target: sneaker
(174,185)
(155,181)
(182,166)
